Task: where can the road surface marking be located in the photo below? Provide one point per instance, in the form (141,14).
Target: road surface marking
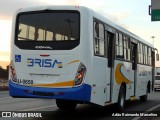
(38,108)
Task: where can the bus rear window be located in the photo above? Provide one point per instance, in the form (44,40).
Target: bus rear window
(41,28)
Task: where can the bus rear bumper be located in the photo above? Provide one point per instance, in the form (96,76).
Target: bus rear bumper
(81,93)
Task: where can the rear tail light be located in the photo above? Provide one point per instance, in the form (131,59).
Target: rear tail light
(13,73)
(80,74)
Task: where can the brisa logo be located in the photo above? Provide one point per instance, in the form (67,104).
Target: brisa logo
(48,63)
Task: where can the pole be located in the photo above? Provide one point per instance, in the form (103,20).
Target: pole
(153,39)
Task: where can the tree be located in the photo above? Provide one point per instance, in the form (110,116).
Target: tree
(3,73)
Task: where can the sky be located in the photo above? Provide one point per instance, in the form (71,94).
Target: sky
(130,14)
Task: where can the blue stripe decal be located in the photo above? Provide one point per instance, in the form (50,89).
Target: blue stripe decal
(81,93)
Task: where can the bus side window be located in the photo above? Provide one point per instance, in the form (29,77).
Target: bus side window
(149,56)
(140,53)
(119,46)
(126,47)
(97,29)
(99,39)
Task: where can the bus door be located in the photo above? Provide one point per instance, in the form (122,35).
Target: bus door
(110,57)
(134,67)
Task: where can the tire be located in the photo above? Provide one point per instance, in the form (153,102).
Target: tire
(143,98)
(121,99)
(66,104)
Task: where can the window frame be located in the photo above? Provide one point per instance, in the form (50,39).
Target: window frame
(119,46)
(144,58)
(96,37)
(47,45)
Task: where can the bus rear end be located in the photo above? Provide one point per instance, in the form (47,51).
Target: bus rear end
(45,56)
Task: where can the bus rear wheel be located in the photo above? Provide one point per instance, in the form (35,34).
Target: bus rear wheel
(143,98)
(121,98)
(66,104)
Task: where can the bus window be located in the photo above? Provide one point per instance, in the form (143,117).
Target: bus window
(58,29)
(96,29)
(119,47)
(149,56)
(145,54)
(31,34)
(26,31)
(98,39)
(22,31)
(49,36)
(140,53)
(126,47)
(41,34)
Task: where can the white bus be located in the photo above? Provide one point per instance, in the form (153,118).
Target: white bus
(74,55)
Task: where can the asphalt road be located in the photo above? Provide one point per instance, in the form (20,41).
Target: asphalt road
(8,103)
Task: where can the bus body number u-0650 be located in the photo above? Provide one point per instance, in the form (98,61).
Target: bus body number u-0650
(26,82)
